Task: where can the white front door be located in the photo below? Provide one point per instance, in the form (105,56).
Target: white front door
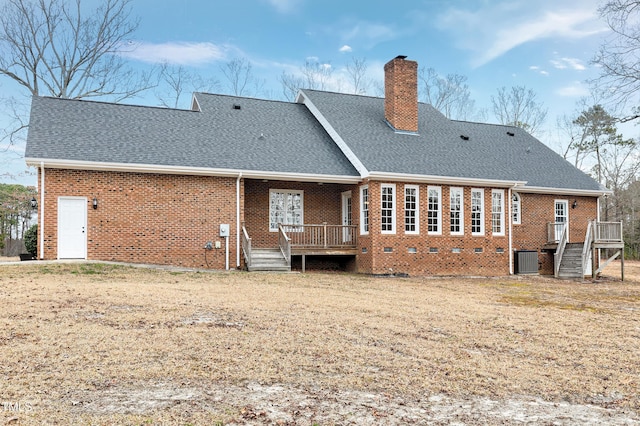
(72,228)
(561,217)
(347,233)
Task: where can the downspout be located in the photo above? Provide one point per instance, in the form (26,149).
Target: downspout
(41,213)
(238,230)
(510,222)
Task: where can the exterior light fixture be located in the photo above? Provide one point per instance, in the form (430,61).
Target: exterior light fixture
(34,203)
(95,203)
(575,204)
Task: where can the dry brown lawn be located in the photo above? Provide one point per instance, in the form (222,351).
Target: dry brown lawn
(108,344)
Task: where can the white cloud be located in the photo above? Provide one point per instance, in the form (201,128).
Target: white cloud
(182,53)
(564,63)
(538,70)
(345,49)
(496,28)
(284,6)
(576,89)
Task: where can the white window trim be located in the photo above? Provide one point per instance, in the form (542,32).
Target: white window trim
(452,191)
(481,191)
(287,191)
(364,227)
(417,210)
(393,207)
(518,219)
(502,223)
(438,189)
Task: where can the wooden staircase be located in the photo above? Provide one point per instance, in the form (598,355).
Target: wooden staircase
(267,259)
(571,263)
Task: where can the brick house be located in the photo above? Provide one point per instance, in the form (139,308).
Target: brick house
(383,185)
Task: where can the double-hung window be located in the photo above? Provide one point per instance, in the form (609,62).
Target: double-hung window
(497,211)
(477,212)
(388,208)
(434,210)
(411,212)
(285,207)
(364,210)
(456,212)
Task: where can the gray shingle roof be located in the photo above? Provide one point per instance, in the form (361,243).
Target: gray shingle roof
(438,149)
(282,137)
(262,135)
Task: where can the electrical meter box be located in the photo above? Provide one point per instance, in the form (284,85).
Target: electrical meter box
(224,229)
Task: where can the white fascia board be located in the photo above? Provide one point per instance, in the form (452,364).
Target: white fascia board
(195,105)
(353,159)
(195,171)
(444,180)
(563,191)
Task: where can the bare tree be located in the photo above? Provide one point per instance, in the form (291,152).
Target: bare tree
(176,81)
(50,47)
(313,75)
(357,70)
(619,55)
(519,107)
(449,94)
(240,78)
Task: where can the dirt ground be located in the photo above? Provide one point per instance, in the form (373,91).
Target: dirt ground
(101,344)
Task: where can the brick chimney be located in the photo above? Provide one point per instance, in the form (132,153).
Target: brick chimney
(401,94)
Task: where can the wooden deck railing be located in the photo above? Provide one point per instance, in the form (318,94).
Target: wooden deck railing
(322,236)
(554,231)
(608,232)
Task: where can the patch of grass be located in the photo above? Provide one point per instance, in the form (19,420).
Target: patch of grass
(533,301)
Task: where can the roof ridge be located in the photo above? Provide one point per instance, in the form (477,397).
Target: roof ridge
(95,101)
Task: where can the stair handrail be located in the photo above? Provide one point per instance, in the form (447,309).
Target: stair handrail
(284,242)
(586,248)
(557,258)
(246,246)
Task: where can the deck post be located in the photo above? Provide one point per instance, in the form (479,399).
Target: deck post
(622,264)
(304,257)
(324,224)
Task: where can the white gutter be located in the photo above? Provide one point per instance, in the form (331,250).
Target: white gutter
(564,191)
(41,214)
(197,171)
(445,180)
(238,230)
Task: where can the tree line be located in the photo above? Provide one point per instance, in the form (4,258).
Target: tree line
(61,48)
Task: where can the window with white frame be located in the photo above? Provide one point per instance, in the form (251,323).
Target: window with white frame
(477,212)
(285,207)
(456,212)
(388,208)
(516,209)
(434,210)
(364,210)
(497,211)
(411,212)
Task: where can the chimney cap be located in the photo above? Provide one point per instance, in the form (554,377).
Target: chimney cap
(401,57)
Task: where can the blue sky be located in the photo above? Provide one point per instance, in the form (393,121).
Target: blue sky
(545,45)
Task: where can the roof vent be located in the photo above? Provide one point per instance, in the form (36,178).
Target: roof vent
(464,137)
(236,106)
(511,133)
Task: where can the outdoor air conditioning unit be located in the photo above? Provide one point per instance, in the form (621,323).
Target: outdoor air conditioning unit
(526,262)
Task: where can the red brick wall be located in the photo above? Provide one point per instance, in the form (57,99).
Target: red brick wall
(537,211)
(401,94)
(147,218)
(444,262)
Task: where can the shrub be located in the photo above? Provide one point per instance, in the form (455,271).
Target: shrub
(31,240)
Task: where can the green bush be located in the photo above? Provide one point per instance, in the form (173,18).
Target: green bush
(31,240)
